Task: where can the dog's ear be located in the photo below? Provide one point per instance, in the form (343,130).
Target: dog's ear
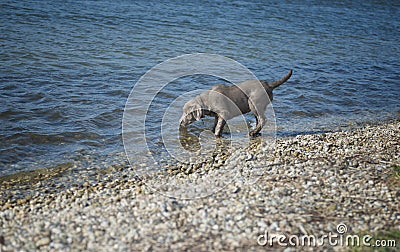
(198,113)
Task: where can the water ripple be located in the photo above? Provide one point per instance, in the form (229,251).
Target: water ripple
(67,69)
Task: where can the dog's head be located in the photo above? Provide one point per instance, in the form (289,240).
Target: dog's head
(192,111)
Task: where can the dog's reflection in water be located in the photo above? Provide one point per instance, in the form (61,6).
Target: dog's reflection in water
(195,138)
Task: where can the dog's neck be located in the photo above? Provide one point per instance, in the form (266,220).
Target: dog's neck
(200,101)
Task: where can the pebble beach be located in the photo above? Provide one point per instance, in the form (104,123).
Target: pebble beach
(310,185)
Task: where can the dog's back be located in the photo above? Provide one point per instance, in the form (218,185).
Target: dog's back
(235,94)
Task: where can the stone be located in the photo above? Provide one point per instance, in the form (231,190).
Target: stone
(43,242)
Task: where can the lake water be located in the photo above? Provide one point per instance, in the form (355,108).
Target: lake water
(67,67)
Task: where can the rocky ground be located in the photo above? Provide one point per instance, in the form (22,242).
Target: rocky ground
(341,183)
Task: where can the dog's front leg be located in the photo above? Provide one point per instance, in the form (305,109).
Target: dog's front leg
(215,123)
(219,124)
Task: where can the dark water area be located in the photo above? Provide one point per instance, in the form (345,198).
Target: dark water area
(67,67)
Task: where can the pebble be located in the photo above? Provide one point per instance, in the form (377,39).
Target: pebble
(308,184)
(43,242)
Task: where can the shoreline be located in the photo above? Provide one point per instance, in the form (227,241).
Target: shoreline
(312,184)
(60,169)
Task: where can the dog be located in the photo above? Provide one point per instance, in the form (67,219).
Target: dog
(226,102)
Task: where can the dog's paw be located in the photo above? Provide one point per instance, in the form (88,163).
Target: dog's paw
(253,134)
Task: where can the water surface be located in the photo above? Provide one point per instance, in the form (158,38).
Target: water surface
(67,67)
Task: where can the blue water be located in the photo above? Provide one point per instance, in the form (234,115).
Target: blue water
(67,67)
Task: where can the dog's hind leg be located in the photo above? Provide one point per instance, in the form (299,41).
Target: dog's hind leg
(260,124)
(260,119)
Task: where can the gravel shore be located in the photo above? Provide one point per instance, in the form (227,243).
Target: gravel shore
(310,185)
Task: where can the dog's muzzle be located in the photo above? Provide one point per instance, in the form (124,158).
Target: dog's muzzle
(182,122)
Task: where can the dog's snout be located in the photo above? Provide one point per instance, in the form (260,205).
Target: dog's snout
(182,121)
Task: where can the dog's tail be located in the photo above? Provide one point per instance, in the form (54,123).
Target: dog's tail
(277,83)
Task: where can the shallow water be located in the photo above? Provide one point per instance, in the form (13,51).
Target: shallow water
(67,68)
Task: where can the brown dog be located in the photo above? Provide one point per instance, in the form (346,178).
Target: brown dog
(226,102)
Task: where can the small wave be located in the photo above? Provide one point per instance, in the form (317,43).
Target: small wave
(29,138)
